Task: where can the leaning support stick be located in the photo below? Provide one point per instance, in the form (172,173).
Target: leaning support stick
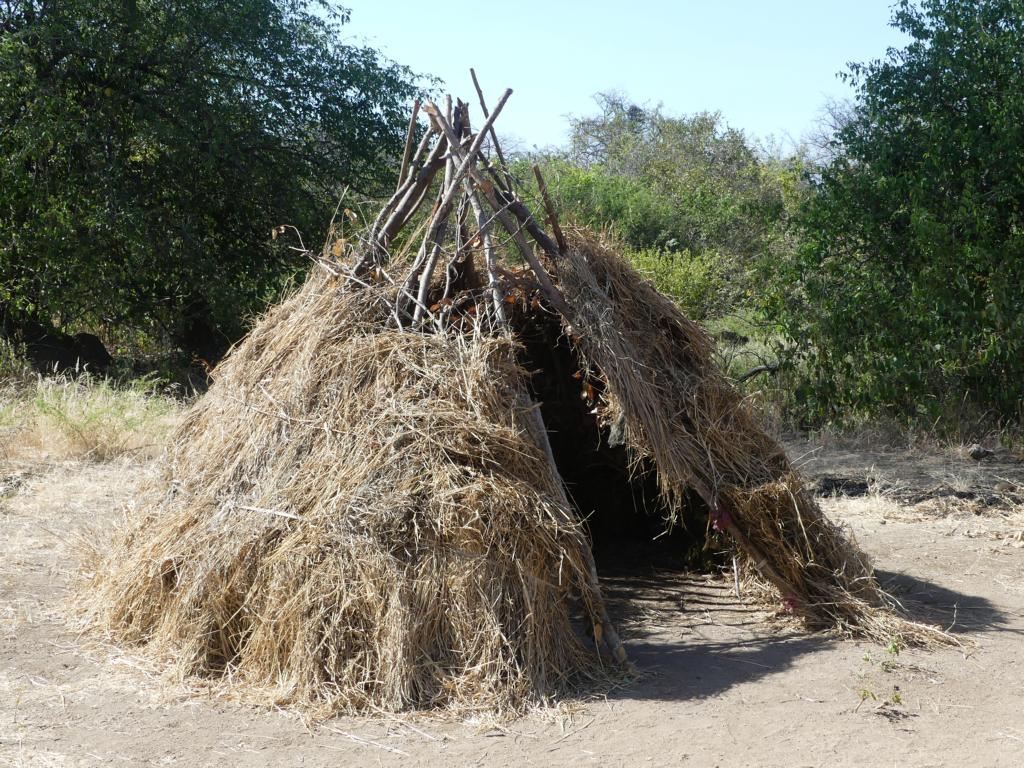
(490,257)
(550,207)
(400,208)
(494,136)
(604,629)
(410,137)
(453,185)
(726,523)
(501,212)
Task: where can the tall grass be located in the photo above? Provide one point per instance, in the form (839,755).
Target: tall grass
(14,368)
(83,418)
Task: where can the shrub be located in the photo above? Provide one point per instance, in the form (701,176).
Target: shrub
(696,281)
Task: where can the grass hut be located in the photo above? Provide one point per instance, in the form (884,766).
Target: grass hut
(382,501)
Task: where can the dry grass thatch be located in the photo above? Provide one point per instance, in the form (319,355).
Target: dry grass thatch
(355,517)
(700,433)
(364,511)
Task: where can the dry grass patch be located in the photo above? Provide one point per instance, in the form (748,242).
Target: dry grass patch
(83,418)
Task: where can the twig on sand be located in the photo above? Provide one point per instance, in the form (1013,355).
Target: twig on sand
(367,742)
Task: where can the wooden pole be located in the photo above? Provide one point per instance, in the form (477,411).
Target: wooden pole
(604,628)
(452,185)
(501,211)
(400,208)
(550,206)
(490,257)
(494,135)
(410,137)
(717,506)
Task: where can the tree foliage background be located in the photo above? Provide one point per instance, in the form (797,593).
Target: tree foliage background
(696,202)
(149,147)
(907,294)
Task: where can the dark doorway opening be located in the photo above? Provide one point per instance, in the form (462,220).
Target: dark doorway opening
(624,512)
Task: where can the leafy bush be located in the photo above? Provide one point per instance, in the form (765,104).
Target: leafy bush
(700,208)
(696,281)
(906,295)
(712,188)
(626,206)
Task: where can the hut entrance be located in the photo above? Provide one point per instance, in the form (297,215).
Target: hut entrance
(626,517)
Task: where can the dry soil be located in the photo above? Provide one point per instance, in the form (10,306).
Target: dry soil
(724,682)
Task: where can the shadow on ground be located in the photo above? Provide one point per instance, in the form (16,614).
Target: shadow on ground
(953,611)
(690,637)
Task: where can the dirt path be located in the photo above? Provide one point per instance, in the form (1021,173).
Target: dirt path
(722,686)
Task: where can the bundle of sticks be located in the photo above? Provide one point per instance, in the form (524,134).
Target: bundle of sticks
(476,195)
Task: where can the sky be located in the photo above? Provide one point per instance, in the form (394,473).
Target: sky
(769,66)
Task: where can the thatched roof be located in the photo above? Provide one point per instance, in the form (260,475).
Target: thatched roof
(364,511)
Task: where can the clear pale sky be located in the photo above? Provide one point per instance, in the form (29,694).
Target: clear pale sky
(767,66)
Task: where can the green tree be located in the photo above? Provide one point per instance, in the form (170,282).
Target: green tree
(702,171)
(908,294)
(700,206)
(149,147)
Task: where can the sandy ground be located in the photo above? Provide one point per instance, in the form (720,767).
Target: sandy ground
(723,683)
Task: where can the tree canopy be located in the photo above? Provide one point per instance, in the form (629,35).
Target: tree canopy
(149,147)
(697,202)
(907,291)
(697,183)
